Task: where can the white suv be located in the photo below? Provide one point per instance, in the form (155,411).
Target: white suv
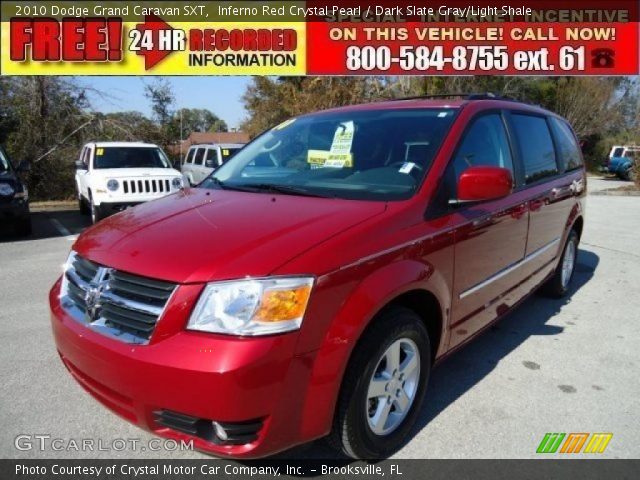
(112,176)
(203,159)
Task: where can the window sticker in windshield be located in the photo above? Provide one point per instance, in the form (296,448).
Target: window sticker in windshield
(343,138)
(100,151)
(324,158)
(225,152)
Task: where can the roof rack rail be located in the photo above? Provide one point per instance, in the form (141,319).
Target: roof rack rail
(462,96)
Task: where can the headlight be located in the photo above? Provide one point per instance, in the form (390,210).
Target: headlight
(252,307)
(64,287)
(6,190)
(177,182)
(113,185)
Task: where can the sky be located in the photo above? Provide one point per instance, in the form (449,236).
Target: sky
(221,95)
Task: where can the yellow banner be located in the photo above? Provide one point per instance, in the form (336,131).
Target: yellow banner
(154,47)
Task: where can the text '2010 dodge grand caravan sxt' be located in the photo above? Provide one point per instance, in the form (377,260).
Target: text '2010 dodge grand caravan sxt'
(307,288)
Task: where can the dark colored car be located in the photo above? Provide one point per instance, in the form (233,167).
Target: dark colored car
(14,197)
(308,287)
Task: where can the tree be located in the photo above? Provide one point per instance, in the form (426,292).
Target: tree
(39,112)
(194,120)
(597,107)
(160,94)
(271,101)
(130,126)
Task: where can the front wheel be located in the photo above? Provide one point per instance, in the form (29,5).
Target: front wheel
(630,174)
(23,226)
(96,215)
(384,386)
(625,174)
(82,206)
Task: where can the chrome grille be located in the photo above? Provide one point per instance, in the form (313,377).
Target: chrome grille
(115,303)
(146,186)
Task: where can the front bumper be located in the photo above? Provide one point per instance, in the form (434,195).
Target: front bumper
(209,377)
(14,209)
(107,208)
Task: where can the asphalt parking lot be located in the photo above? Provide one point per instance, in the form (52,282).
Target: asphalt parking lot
(552,366)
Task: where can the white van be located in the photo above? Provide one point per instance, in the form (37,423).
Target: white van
(203,159)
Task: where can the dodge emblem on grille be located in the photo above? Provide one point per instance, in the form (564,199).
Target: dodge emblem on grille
(93,294)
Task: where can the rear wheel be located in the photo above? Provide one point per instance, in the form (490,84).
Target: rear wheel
(558,285)
(384,386)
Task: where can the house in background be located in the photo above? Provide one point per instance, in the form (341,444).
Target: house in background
(197,138)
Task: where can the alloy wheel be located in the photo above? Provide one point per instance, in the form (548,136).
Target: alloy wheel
(568,263)
(393,386)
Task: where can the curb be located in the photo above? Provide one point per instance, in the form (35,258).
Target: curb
(617,193)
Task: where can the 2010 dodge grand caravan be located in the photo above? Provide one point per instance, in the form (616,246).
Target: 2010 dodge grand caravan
(308,287)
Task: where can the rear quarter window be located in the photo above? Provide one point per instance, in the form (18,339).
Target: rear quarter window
(536,147)
(568,148)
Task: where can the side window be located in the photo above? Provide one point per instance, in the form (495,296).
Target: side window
(536,147)
(87,157)
(190,154)
(199,156)
(212,158)
(569,150)
(484,144)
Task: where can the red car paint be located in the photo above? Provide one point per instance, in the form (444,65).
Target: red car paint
(364,255)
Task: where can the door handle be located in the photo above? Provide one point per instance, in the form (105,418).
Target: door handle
(519,211)
(535,205)
(483,222)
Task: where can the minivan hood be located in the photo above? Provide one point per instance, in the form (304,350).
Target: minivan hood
(201,235)
(136,172)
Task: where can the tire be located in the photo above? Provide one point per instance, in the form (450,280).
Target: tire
(23,227)
(82,206)
(558,285)
(626,174)
(356,412)
(96,214)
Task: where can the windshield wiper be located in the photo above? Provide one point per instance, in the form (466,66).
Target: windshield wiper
(220,184)
(285,189)
(267,187)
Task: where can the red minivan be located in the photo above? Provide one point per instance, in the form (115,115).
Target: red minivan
(308,287)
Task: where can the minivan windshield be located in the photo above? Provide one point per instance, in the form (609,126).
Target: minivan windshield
(130,157)
(373,154)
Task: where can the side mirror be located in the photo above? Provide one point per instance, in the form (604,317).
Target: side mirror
(210,164)
(80,165)
(25,166)
(477,184)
